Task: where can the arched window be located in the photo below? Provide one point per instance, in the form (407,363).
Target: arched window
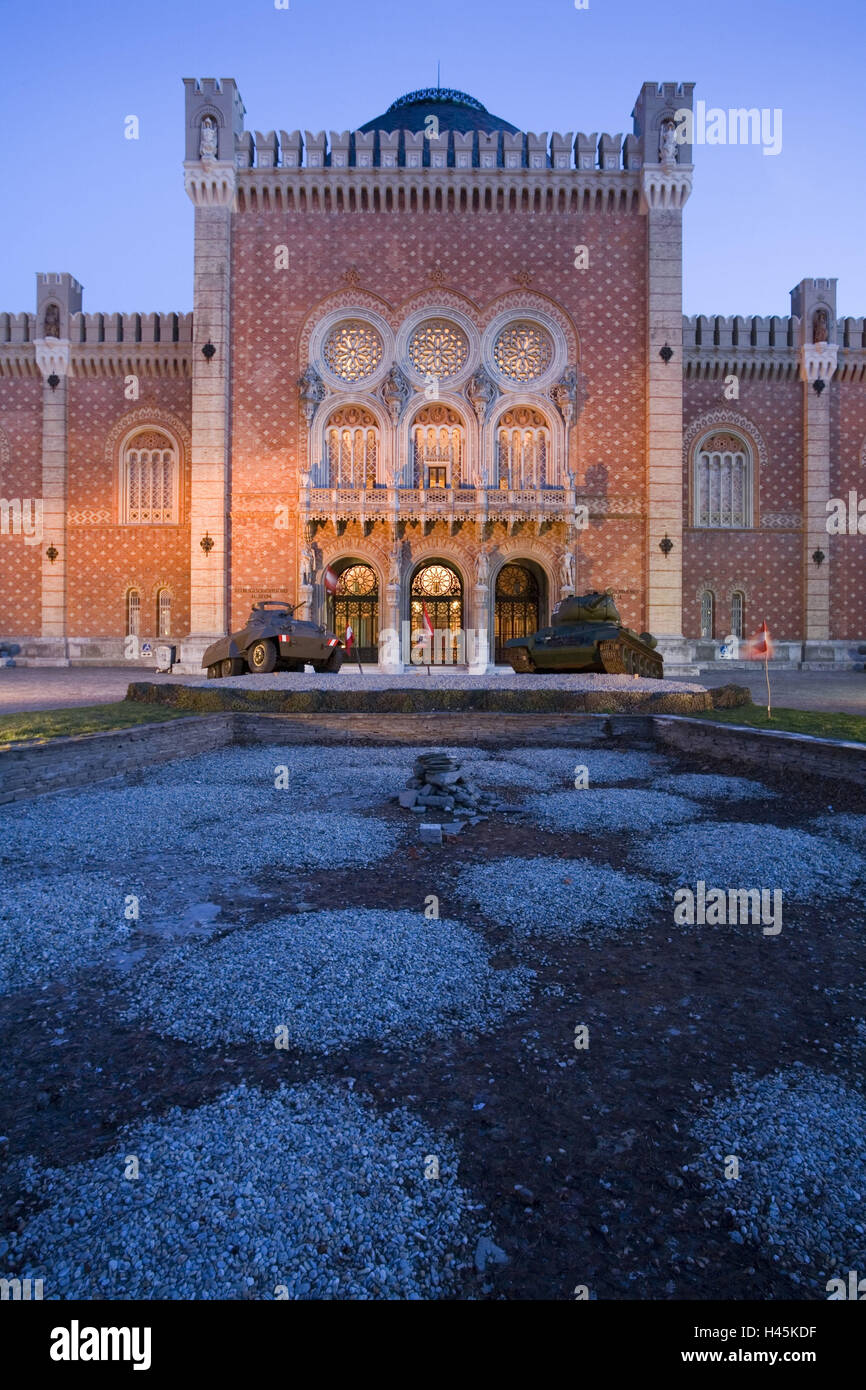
(723,482)
(439,449)
(738,613)
(133,613)
(352,438)
(708,613)
(523,448)
(150,480)
(163,613)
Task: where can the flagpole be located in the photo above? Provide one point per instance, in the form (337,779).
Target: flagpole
(767,667)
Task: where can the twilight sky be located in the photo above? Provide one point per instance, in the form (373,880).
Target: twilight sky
(78,196)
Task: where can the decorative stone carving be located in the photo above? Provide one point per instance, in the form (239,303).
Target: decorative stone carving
(208,144)
(395,393)
(523,351)
(312,390)
(438,347)
(820,326)
(308,563)
(394,578)
(668,143)
(52,322)
(566,570)
(353,350)
(482,569)
(564,394)
(481,392)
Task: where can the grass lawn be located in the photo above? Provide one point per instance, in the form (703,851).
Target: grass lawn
(819,723)
(44,724)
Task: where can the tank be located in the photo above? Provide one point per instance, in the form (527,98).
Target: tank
(587,635)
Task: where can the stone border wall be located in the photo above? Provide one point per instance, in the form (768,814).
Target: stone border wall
(763,749)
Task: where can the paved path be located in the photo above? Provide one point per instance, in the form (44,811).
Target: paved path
(46,687)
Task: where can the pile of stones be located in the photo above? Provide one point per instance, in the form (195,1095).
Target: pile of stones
(441,793)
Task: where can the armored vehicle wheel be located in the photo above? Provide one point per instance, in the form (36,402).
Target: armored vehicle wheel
(262,657)
(232,666)
(332,665)
(214,672)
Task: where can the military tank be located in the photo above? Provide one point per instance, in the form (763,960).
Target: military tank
(587,635)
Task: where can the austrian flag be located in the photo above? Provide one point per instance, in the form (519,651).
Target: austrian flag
(761,647)
(350,638)
(427,623)
(329,579)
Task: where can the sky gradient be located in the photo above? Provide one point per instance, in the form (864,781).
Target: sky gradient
(80,197)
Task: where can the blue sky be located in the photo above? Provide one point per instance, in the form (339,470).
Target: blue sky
(80,197)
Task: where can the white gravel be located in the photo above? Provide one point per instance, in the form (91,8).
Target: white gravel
(604,765)
(608,809)
(850,828)
(560,898)
(331,979)
(306,1187)
(738,855)
(52,927)
(350,678)
(714,788)
(798,1135)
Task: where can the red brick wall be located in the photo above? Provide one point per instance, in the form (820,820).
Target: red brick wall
(848,553)
(21,476)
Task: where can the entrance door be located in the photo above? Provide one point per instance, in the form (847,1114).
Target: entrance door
(516,605)
(438,588)
(356,605)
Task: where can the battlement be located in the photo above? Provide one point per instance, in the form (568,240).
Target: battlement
(104,328)
(738,330)
(450,149)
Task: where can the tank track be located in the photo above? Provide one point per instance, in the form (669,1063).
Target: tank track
(625,656)
(520,661)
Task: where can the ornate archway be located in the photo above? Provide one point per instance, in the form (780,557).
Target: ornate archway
(356,605)
(516,605)
(437,586)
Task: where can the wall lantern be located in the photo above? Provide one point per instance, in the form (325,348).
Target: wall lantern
(666,545)
(818,557)
(666,353)
(52,552)
(207,543)
(818,386)
(208,350)
(54,381)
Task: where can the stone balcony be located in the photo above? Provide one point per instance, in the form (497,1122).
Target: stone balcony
(452,505)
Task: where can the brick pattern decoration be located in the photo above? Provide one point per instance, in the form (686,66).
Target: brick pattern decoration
(20,476)
(848,473)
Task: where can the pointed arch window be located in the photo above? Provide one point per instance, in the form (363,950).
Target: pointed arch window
(163,613)
(723,482)
(133,613)
(439,447)
(352,441)
(150,480)
(708,613)
(523,450)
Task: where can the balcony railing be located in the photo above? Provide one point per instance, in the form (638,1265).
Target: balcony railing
(460,504)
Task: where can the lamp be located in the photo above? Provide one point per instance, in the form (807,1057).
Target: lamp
(53,381)
(666,353)
(818,557)
(666,545)
(818,385)
(52,552)
(208,350)
(207,543)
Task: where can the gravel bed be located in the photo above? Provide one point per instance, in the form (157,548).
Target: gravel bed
(604,765)
(50,928)
(223,824)
(736,855)
(352,679)
(307,1187)
(559,898)
(850,828)
(330,979)
(798,1135)
(701,785)
(615,809)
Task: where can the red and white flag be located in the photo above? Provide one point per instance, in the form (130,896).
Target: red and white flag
(350,638)
(427,623)
(330,580)
(760,648)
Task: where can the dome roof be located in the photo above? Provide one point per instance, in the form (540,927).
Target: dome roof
(454,110)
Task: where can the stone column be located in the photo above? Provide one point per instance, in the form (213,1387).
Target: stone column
(817,364)
(211,186)
(665,189)
(52,359)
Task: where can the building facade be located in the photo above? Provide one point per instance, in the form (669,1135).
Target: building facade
(446,360)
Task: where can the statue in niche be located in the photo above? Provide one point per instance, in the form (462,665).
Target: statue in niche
(308,563)
(564,394)
(395,393)
(481,391)
(668,143)
(208,146)
(52,321)
(312,390)
(566,570)
(482,569)
(820,326)
(394,567)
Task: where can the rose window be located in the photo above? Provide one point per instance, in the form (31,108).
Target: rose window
(438,348)
(523,352)
(353,350)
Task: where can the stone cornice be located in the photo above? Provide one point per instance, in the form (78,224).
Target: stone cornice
(484,190)
(665,186)
(96,360)
(52,356)
(210,182)
(818,360)
(745,362)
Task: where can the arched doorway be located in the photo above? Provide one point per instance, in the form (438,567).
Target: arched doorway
(356,605)
(437,586)
(517,605)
